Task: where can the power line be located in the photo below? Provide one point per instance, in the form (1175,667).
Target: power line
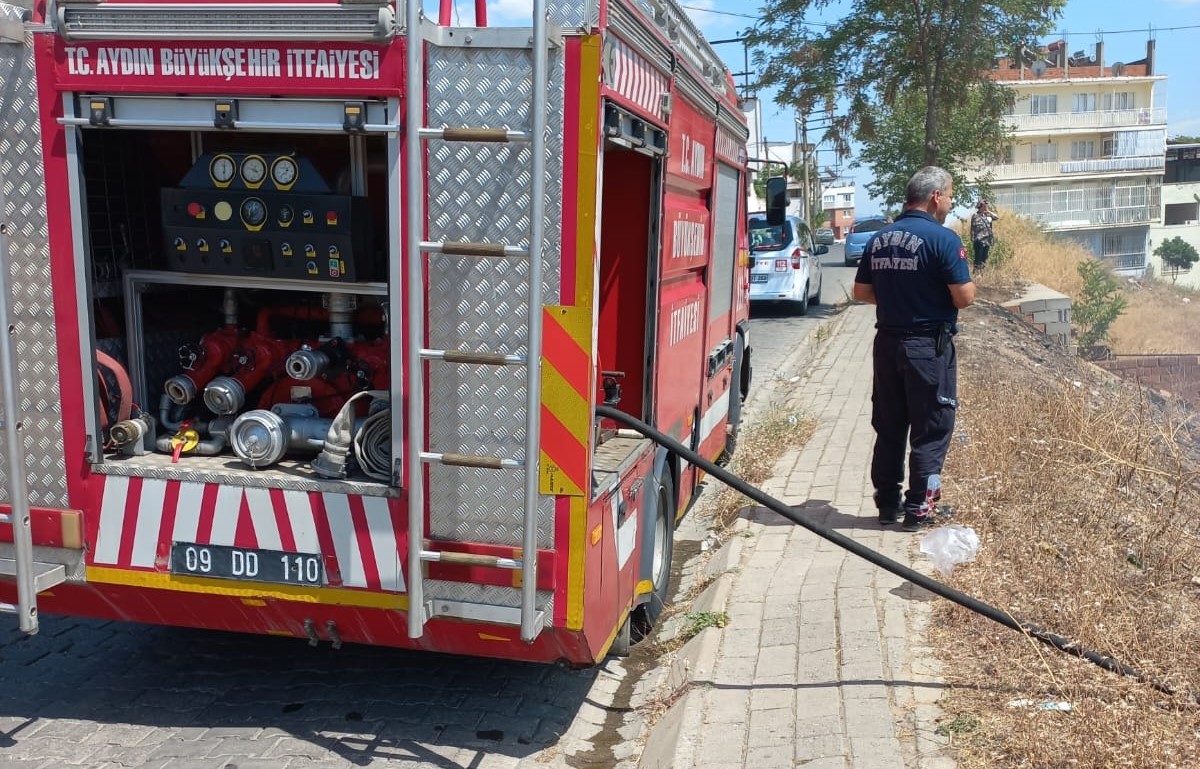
(1143,30)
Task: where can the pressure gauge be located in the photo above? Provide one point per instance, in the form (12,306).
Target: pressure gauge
(253,213)
(254,170)
(222,169)
(284,172)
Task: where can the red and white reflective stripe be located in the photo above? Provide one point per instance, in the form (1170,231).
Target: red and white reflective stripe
(141,517)
(727,146)
(636,79)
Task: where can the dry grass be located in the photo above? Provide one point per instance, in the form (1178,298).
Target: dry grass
(760,445)
(1160,317)
(1084,493)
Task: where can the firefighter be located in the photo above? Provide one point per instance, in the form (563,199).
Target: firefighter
(916,274)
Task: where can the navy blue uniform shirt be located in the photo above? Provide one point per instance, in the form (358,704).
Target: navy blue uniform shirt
(910,263)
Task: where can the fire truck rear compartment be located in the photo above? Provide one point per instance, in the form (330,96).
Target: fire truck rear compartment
(226,296)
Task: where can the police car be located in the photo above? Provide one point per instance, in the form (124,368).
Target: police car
(786,263)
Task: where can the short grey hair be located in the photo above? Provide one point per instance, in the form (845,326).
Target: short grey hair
(925,182)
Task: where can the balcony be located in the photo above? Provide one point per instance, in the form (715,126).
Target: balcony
(1088,121)
(1014,171)
(1097,217)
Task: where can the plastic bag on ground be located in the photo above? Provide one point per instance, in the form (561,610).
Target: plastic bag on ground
(948,546)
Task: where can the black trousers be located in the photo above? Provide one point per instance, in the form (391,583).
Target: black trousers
(913,400)
(980,250)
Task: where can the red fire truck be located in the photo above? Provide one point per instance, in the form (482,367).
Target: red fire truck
(310,306)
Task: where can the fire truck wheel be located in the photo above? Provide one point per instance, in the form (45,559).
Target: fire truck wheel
(646,616)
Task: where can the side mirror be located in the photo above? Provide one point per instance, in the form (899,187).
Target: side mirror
(776,200)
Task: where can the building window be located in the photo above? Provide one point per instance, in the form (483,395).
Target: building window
(1046,104)
(847,198)
(1044,153)
(1083,150)
(1119,101)
(1181,213)
(1083,102)
(827,200)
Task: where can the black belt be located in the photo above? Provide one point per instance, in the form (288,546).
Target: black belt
(917,331)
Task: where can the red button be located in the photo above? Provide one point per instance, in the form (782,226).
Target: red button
(195,209)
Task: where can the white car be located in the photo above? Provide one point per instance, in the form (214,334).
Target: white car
(786,263)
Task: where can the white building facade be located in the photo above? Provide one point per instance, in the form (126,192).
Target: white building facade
(1181,210)
(1087,153)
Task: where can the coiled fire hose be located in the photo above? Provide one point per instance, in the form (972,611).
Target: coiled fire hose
(962,599)
(373,445)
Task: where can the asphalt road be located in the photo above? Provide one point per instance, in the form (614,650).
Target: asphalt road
(99,694)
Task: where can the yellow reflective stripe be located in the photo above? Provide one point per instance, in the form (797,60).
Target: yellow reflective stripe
(326,596)
(577,563)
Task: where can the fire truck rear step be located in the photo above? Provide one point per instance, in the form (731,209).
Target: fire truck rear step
(529,616)
(43,575)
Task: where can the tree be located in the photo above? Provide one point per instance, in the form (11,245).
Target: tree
(794,171)
(1098,305)
(885,51)
(1181,139)
(1176,254)
(898,149)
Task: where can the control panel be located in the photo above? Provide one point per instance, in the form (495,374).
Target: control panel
(263,215)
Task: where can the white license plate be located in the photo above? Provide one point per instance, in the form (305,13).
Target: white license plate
(759,278)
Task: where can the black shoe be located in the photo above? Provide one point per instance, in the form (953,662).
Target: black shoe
(890,514)
(914,522)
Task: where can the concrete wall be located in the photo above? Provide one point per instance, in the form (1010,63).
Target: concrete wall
(1177,374)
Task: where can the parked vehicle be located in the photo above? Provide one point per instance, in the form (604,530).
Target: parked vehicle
(860,233)
(310,327)
(824,236)
(787,264)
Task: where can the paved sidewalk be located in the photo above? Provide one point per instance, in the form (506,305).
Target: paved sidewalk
(823,662)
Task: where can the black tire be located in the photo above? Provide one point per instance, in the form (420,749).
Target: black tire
(802,305)
(645,617)
(737,393)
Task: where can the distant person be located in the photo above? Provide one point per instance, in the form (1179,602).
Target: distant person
(982,237)
(915,273)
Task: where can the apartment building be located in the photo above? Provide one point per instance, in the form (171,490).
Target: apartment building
(1181,209)
(1087,152)
(837,200)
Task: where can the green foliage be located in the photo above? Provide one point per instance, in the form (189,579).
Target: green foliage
(967,132)
(1182,139)
(885,51)
(1176,254)
(794,171)
(695,621)
(1098,305)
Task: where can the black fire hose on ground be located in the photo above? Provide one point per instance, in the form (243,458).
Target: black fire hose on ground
(882,561)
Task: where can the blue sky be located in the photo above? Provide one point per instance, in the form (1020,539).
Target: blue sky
(1124,27)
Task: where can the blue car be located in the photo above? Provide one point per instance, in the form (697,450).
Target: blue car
(860,233)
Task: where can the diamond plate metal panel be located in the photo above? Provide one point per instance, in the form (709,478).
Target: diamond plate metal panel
(24,196)
(490,595)
(574,14)
(481,192)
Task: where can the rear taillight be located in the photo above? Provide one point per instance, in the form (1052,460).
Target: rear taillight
(798,257)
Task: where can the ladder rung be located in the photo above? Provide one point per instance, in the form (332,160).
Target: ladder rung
(480,358)
(481,612)
(490,135)
(460,248)
(463,460)
(45,575)
(471,559)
